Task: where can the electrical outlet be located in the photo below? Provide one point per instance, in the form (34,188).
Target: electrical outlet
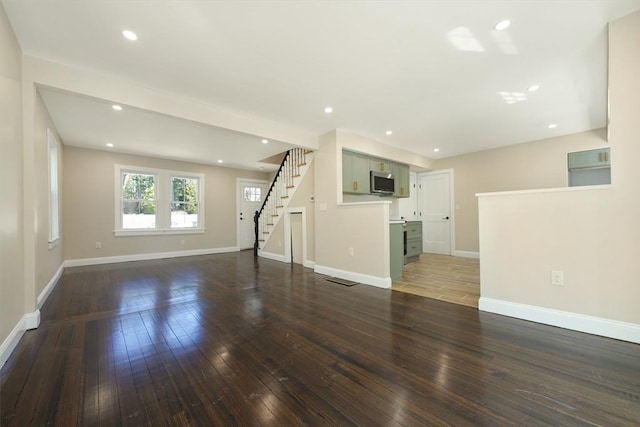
(182,242)
(557,278)
(98,245)
(351,252)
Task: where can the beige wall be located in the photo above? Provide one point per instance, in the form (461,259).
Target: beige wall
(591,234)
(89,211)
(341,227)
(47,261)
(11,225)
(537,164)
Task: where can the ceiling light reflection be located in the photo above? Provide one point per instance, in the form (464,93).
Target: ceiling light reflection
(130,35)
(512,97)
(502,25)
(463,39)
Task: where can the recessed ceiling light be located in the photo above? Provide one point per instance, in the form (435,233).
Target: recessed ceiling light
(130,35)
(553,126)
(389,132)
(220,161)
(502,25)
(533,88)
(435,150)
(328,110)
(116,107)
(265,141)
(110,145)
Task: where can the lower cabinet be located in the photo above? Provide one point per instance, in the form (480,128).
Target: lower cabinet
(396,250)
(413,241)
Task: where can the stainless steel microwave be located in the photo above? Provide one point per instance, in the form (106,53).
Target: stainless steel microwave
(382,182)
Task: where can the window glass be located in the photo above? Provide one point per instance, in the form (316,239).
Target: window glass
(138,200)
(54,220)
(252,194)
(184,202)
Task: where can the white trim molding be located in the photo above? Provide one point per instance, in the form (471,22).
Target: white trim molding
(47,289)
(379,282)
(144,257)
(578,322)
(274,257)
(28,321)
(467,254)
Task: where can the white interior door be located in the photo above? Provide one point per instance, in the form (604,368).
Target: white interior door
(435,211)
(409,206)
(250,196)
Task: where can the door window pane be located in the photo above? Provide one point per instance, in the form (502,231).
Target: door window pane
(252,194)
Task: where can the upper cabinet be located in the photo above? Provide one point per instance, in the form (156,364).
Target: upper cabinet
(401,174)
(598,158)
(356,173)
(380,165)
(590,167)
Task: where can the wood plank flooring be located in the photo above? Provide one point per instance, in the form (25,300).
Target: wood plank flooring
(442,277)
(228,340)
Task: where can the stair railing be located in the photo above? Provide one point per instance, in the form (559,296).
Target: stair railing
(269,200)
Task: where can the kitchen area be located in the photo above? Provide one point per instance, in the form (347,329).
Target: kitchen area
(453,279)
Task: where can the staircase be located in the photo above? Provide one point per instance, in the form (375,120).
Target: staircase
(284,185)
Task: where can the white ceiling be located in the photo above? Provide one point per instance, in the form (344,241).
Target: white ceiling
(436,73)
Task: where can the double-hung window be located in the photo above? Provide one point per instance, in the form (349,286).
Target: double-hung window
(156,201)
(54,207)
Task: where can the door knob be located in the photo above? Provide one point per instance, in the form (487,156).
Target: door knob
(446,217)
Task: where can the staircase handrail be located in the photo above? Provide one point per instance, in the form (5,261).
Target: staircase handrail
(256,216)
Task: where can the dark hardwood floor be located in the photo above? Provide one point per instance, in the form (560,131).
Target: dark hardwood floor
(227,340)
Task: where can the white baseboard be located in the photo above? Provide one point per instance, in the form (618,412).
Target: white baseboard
(282,258)
(28,321)
(47,289)
(380,282)
(144,257)
(467,254)
(272,256)
(563,319)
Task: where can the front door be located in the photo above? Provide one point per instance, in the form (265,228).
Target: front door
(250,197)
(435,211)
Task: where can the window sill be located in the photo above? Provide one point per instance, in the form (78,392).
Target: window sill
(54,243)
(159,232)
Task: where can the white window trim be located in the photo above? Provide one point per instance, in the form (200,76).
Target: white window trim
(163,202)
(53,202)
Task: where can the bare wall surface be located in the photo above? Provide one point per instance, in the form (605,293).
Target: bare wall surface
(339,227)
(12,291)
(532,165)
(89,209)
